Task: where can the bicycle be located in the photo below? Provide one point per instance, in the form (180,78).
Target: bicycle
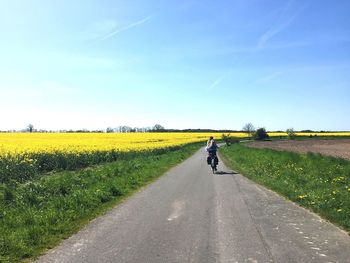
(213,161)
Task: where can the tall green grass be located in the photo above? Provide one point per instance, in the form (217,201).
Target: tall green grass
(25,167)
(317,182)
(37,214)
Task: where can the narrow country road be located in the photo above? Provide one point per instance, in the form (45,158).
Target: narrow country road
(191,215)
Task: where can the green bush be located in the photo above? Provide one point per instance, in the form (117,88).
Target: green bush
(228,139)
(291,133)
(261,134)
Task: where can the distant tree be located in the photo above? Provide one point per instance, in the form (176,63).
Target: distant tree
(140,129)
(291,133)
(123,129)
(228,139)
(82,130)
(126,128)
(109,130)
(261,134)
(158,127)
(308,131)
(30,127)
(249,129)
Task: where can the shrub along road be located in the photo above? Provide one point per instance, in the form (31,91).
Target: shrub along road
(191,215)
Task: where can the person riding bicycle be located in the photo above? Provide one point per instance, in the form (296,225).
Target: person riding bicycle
(211,148)
(211,145)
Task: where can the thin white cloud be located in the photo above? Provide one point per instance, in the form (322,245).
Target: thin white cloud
(117,31)
(279,27)
(216,82)
(98,29)
(274,30)
(269,77)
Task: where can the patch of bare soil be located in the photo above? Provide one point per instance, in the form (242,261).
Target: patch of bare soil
(336,148)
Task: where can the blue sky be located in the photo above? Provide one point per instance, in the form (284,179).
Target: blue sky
(183,64)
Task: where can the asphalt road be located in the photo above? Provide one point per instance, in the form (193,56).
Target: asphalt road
(191,215)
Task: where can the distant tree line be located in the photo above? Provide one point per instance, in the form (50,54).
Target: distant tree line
(261,133)
(122,129)
(248,128)
(160,128)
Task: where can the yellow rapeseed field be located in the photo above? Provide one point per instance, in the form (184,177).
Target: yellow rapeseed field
(19,143)
(23,155)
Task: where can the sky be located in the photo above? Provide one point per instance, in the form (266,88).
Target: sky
(182,64)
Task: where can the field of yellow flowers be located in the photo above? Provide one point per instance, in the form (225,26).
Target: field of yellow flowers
(23,155)
(38,143)
(23,143)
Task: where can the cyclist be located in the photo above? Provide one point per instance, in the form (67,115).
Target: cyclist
(211,148)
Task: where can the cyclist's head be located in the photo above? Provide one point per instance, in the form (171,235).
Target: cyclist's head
(211,137)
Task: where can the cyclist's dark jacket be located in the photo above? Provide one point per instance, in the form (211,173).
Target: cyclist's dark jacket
(212,146)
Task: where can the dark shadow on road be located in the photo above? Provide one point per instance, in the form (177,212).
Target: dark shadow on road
(225,172)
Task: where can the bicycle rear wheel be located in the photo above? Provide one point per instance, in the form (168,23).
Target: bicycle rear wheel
(213,166)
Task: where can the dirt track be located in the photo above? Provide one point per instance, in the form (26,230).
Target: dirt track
(336,148)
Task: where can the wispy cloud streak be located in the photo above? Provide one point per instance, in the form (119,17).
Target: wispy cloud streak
(117,31)
(284,22)
(218,80)
(268,78)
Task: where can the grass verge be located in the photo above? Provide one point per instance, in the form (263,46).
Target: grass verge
(38,214)
(319,183)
